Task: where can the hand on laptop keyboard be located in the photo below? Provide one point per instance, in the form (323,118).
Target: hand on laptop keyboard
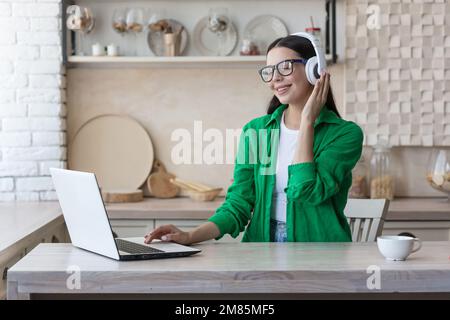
(168,233)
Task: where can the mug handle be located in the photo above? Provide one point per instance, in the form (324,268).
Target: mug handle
(419,245)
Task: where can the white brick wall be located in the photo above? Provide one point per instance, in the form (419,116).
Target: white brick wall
(33,124)
(32,99)
(17,169)
(49,139)
(34,184)
(5,9)
(6,184)
(47,109)
(45,165)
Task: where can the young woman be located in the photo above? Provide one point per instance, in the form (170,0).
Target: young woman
(304,199)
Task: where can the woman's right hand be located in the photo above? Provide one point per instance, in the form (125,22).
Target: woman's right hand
(168,232)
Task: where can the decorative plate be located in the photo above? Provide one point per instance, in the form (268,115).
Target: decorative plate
(214,44)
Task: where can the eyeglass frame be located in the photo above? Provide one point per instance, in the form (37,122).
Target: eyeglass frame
(302,61)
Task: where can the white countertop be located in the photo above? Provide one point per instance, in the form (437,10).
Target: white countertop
(400,209)
(19,220)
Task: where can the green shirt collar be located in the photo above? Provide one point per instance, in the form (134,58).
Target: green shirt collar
(325,116)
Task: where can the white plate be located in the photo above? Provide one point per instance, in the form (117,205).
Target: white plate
(263,30)
(208,42)
(156,42)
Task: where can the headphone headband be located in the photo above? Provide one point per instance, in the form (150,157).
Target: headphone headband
(322,64)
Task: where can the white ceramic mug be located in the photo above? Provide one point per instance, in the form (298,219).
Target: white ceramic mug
(98,50)
(397,248)
(112,50)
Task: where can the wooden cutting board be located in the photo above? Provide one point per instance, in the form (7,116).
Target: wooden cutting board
(116,148)
(119,196)
(158,183)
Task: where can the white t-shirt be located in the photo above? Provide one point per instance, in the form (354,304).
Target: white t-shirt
(286,149)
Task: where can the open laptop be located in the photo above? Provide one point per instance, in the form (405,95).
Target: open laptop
(88,225)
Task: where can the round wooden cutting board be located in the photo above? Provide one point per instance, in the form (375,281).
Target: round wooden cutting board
(116,148)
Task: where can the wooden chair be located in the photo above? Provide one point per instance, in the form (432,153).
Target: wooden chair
(366,218)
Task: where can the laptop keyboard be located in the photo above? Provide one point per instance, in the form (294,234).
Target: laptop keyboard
(134,248)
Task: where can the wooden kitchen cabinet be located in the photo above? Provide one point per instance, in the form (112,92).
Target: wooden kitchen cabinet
(6,262)
(425,230)
(426,218)
(132,228)
(138,228)
(24,225)
(53,233)
(188,225)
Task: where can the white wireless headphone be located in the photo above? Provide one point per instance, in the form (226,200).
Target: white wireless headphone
(315,65)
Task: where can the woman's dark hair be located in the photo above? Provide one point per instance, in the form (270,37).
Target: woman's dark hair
(305,50)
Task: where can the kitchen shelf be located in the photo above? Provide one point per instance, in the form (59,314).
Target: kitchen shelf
(69,43)
(170,62)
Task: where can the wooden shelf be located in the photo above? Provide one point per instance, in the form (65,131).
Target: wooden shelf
(165,62)
(171,62)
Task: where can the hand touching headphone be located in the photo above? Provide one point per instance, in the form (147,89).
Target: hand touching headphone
(315,65)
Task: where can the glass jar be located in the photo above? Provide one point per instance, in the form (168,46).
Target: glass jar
(381,178)
(438,172)
(359,181)
(249,48)
(316,32)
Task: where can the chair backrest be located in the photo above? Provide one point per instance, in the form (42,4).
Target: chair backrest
(366,218)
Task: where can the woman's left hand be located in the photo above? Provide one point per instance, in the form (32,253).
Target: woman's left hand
(317,99)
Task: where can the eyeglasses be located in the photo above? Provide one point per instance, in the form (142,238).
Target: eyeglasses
(284,68)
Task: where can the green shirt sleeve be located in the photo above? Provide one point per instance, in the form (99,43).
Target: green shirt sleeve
(314,182)
(234,214)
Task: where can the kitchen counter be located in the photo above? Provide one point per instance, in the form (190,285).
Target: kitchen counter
(426,218)
(411,209)
(174,208)
(20,220)
(23,225)
(230,270)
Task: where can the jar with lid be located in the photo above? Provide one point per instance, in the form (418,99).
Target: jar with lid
(249,48)
(359,187)
(316,32)
(381,177)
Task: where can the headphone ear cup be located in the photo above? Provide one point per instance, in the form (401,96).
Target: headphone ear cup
(311,70)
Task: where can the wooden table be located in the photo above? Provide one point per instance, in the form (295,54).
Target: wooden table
(224,270)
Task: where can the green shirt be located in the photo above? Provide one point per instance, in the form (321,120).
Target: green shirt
(316,191)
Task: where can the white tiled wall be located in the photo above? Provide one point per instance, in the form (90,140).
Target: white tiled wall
(32,99)
(398,77)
